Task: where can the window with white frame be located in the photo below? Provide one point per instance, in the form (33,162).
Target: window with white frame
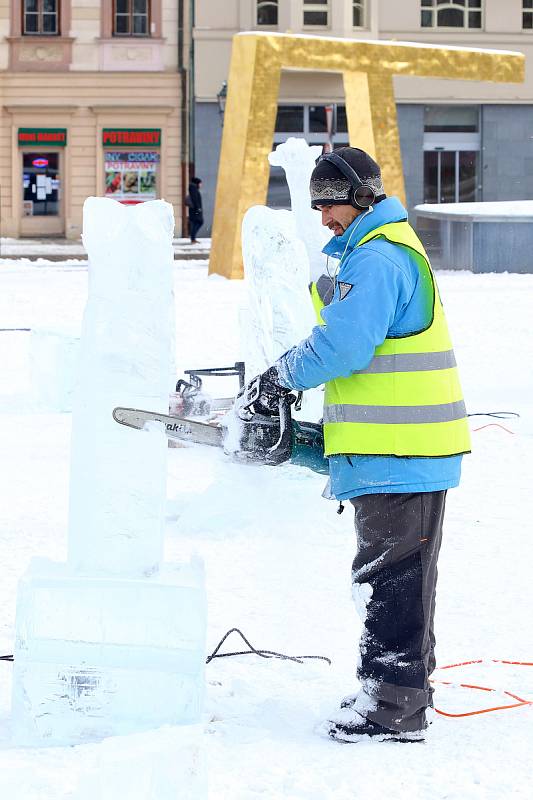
(451,14)
(316,13)
(131,18)
(359,13)
(40,17)
(527,15)
(267,13)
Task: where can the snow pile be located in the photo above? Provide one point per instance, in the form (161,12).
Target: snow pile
(511,209)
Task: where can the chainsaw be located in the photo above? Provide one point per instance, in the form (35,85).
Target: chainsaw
(246,434)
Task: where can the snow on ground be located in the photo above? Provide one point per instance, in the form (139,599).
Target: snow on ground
(501,208)
(278,561)
(63,249)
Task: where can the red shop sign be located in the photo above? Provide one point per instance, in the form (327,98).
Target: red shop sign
(111,137)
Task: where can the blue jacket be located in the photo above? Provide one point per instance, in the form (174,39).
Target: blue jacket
(386,298)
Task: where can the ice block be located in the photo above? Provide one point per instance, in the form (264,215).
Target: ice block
(104,656)
(118,476)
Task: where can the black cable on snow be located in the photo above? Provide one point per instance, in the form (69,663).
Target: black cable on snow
(253,651)
(495,414)
(7,330)
(6,658)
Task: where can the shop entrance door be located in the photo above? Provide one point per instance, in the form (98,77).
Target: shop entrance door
(450,176)
(42,213)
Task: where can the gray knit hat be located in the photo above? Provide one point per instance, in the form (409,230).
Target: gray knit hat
(329,186)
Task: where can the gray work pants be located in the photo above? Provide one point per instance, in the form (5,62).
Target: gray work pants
(395,572)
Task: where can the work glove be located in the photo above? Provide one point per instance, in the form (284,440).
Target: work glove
(269,392)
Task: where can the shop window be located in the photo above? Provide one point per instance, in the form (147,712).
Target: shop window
(451,14)
(451,119)
(131,176)
(358,13)
(316,13)
(527,15)
(131,18)
(317,119)
(290,119)
(451,176)
(342,121)
(267,13)
(40,18)
(40,182)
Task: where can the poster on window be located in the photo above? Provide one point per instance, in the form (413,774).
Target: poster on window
(131,177)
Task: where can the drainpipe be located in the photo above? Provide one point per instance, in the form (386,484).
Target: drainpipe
(182,72)
(191,96)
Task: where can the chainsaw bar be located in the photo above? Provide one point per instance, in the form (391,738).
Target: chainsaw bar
(175,427)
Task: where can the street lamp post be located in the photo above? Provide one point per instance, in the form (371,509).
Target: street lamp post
(331,126)
(222,95)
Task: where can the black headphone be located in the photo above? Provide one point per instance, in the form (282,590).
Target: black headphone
(361,194)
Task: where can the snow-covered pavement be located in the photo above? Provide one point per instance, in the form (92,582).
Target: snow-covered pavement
(63,249)
(278,562)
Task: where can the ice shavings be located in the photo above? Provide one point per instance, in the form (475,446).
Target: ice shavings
(233,427)
(361,594)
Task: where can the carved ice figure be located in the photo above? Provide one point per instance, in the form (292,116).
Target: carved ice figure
(282,254)
(298,160)
(276,271)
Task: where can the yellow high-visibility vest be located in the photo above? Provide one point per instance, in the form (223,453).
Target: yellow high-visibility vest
(408,401)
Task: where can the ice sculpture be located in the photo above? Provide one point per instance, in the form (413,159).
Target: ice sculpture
(113,641)
(277,248)
(99,656)
(276,271)
(298,160)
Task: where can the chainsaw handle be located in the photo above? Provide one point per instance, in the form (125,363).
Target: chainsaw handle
(284,442)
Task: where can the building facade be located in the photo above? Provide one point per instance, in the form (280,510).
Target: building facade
(93,101)
(460,140)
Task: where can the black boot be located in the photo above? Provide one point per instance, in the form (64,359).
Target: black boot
(357,729)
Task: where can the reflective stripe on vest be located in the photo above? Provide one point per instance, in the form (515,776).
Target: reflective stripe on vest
(408,400)
(392,415)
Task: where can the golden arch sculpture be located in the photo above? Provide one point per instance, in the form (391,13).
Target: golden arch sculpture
(367,68)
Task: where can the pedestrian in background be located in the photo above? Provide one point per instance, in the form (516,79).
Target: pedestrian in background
(193,201)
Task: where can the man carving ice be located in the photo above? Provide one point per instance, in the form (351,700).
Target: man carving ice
(395,430)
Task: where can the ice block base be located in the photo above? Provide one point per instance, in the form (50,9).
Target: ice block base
(103,656)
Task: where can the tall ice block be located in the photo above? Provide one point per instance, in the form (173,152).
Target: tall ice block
(112,642)
(104,656)
(118,476)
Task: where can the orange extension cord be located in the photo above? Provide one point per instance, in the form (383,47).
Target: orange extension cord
(493,425)
(521,701)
